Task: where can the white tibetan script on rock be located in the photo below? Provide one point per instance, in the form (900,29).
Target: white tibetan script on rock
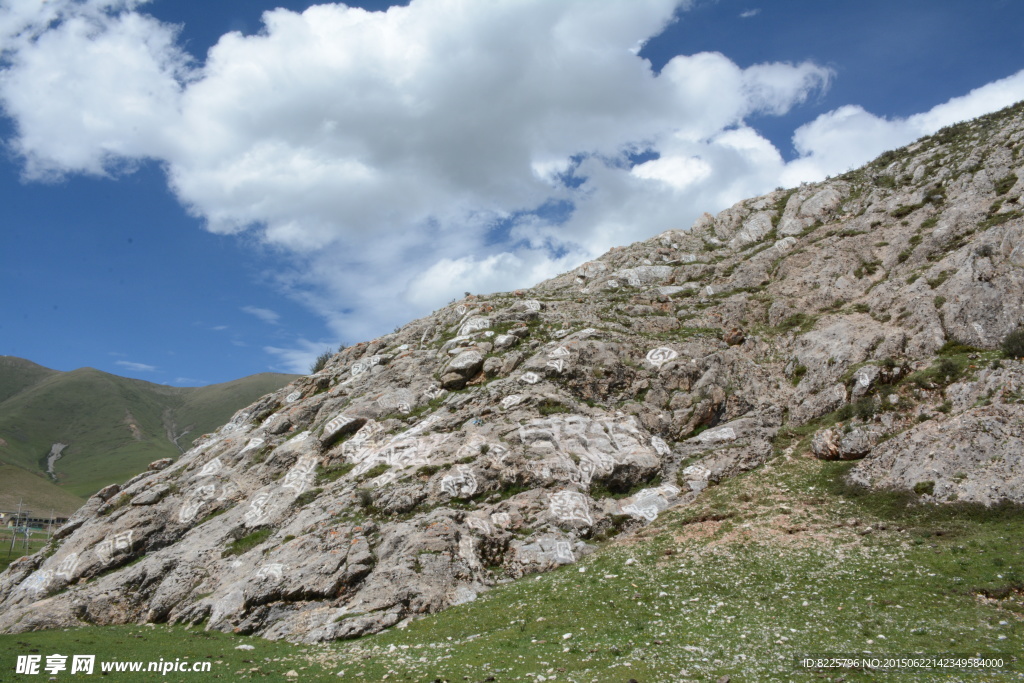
(114,545)
(300,476)
(460,485)
(661,355)
(569,506)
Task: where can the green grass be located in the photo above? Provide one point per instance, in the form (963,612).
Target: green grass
(550,407)
(9,554)
(1000,218)
(247,542)
(267,661)
(802,322)
(936,281)
(307,497)
(375,471)
(942,372)
(18,374)
(1005,184)
(36,492)
(330,474)
(798,374)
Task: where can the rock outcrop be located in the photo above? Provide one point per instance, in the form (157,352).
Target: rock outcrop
(505,434)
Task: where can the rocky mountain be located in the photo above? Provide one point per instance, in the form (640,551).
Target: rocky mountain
(85,429)
(857,318)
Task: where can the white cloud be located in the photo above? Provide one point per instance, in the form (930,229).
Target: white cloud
(93,91)
(136,367)
(850,136)
(265,314)
(747,14)
(300,358)
(399,159)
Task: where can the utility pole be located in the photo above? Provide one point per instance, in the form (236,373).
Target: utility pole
(14,529)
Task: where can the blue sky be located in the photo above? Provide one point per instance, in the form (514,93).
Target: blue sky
(188,216)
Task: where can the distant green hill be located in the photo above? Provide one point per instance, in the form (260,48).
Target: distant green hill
(113,426)
(17,374)
(40,495)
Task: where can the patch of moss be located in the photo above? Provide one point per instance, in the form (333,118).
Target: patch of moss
(246,543)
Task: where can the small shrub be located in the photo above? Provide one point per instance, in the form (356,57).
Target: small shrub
(929,222)
(798,374)
(334,473)
(306,498)
(1005,184)
(801,321)
(429,470)
(549,407)
(320,362)
(957,348)
(940,301)
(943,372)
(984,251)
(215,513)
(376,471)
(865,409)
(905,210)
(118,503)
(1000,218)
(924,487)
(1013,344)
(936,281)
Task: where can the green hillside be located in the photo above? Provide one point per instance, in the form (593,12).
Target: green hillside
(17,374)
(40,495)
(113,426)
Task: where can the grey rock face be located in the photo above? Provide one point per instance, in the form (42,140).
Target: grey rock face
(977,456)
(502,434)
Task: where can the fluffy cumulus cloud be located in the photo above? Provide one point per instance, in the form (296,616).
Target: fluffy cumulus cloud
(397,159)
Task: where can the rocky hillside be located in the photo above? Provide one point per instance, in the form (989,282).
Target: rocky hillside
(507,434)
